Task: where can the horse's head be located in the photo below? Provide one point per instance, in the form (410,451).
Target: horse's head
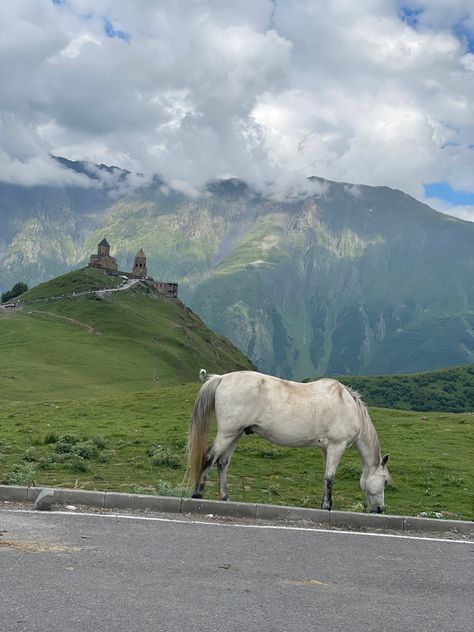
(373,484)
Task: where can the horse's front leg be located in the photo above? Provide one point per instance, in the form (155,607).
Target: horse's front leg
(332,455)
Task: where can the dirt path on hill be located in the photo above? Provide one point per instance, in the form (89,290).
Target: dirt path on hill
(89,328)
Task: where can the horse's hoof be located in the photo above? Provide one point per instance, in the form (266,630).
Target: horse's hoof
(196,495)
(326,506)
(224,498)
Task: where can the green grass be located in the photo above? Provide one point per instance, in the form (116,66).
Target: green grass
(81,406)
(140,440)
(123,343)
(77,281)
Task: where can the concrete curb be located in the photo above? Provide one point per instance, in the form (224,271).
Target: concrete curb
(255,511)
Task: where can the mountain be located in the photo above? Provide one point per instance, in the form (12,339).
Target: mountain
(59,345)
(346,279)
(43,228)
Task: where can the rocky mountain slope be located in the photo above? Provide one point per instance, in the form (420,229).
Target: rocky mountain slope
(344,280)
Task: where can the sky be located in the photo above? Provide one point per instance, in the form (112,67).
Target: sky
(377,92)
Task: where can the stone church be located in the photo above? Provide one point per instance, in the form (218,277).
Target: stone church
(108,264)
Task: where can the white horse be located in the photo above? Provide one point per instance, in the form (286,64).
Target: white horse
(325,414)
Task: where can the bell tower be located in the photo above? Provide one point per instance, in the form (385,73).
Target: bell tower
(139,265)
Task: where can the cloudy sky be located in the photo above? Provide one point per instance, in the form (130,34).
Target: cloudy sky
(377,92)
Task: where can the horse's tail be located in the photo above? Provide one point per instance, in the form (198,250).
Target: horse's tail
(204,408)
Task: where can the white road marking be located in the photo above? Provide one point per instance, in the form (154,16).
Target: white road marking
(243,526)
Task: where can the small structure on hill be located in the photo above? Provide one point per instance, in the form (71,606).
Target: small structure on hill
(139,265)
(108,264)
(103,259)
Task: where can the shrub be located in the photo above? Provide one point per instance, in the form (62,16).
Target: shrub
(270,452)
(165,488)
(85,450)
(50,437)
(20,475)
(63,448)
(77,464)
(69,438)
(17,289)
(99,442)
(163,456)
(31,454)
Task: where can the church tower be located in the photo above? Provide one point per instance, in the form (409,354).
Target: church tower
(103,259)
(139,266)
(103,249)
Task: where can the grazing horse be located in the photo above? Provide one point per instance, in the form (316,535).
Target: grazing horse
(325,414)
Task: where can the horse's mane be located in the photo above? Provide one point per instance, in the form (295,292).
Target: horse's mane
(368,432)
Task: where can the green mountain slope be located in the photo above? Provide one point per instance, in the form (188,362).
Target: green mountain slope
(90,345)
(346,280)
(342,282)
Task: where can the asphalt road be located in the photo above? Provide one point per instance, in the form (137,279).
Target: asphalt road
(82,572)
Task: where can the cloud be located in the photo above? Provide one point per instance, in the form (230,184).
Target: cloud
(376,92)
(463,211)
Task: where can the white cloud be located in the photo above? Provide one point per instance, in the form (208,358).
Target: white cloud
(465,212)
(271,91)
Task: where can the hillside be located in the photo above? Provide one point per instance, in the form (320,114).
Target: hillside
(345,280)
(448,390)
(103,345)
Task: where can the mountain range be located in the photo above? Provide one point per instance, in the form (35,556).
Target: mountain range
(342,279)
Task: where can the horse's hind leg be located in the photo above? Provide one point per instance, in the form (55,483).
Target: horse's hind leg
(332,456)
(208,463)
(218,447)
(222,465)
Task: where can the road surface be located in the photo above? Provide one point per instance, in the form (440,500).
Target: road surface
(95,572)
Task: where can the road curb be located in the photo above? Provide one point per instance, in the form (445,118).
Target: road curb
(256,511)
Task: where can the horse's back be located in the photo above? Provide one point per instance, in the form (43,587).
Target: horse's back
(280,409)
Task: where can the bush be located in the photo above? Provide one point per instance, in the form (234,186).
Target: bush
(69,438)
(165,488)
(163,456)
(63,447)
(20,475)
(17,289)
(85,450)
(77,464)
(30,455)
(99,442)
(50,437)
(270,452)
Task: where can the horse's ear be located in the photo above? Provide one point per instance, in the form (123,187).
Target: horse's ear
(384,460)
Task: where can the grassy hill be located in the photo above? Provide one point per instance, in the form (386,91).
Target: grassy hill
(78,281)
(90,345)
(448,390)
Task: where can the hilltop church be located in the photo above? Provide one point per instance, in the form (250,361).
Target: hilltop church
(108,264)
